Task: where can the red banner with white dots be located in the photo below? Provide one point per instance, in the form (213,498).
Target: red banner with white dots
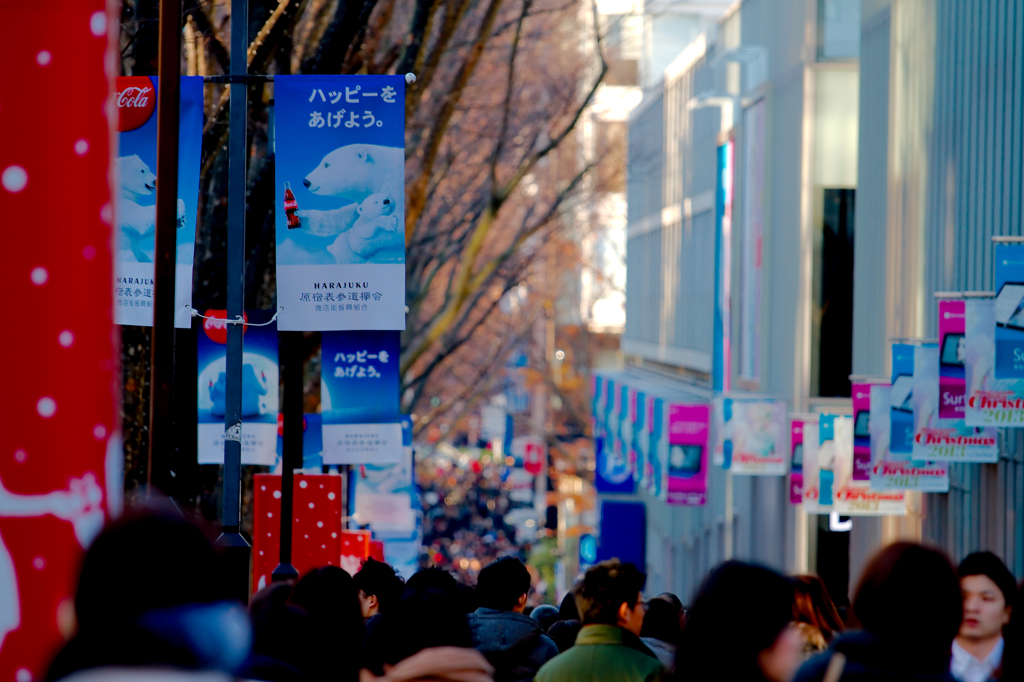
(60,455)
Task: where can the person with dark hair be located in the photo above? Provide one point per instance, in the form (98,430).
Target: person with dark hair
(563,633)
(152,595)
(739,627)
(909,605)
(426,637)
(661,630)
(567,610)
(815,614)
(379,586)
(608,645)
(988,590)
(545,614)
(328,594)
(513,643)
(282,634)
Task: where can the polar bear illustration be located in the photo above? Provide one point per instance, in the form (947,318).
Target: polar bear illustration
(375,227)
(353,173)
(136,224)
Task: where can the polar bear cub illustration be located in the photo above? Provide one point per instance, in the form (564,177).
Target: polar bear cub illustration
(366,234)
(136,224)
(353,173)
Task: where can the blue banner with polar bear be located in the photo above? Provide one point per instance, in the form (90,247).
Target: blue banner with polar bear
(135,236)
(259,387)
(340,168)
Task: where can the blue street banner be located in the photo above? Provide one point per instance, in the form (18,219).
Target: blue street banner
(944,440)
(901,412)
(259,388)
(340,169)
(613,473)
(135,233)
(359,399)
(991,401)
(1009,311)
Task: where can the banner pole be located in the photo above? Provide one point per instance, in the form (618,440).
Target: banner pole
(291,456)
(236,546)
(162,345)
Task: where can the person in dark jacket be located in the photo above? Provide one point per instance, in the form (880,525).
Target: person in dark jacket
(909,607)
(514,644)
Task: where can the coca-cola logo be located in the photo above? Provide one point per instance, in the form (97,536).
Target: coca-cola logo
(136,100)
(216,327)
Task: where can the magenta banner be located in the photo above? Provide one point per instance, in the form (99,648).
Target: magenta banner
(796,461)
(952,347)
(861,398)
(688,428)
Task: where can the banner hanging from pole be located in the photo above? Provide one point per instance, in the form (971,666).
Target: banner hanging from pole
(889,472)
(796,459)
(901,413)
(952,352)
(751,435)
(135,233)
(688,431)
(340,168)
(1009,311)
(359,398)
(990,401)
(260,380)
(947,440)
(828,474)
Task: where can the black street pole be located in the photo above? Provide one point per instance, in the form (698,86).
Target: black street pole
(162,347)
(291,458)
(235,546)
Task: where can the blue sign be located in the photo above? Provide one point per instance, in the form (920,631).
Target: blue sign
(259,388)
(1009,308)
(901,411)
(588,550)
(340,169)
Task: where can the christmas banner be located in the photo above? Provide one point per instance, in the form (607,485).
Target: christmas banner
(1009,311)
(990,401)
(688,430)
(887,474)
(260,374)
(952,351)
(613,473)
(947,440)
(828,478)
(359,397)
(657,448)
(901,412)
(340,168)
(752,435)
(135,167)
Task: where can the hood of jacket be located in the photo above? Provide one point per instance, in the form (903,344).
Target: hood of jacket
(495,630)
(444,663)
(515,644)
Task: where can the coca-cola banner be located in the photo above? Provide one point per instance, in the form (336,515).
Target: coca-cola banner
(990,401)
(135,234)
(887,474)
(946,440)
(340,168)
(259,387)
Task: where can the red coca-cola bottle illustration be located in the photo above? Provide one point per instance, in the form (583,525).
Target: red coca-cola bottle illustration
(290,207)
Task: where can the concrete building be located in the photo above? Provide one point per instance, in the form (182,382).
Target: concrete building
(848,160)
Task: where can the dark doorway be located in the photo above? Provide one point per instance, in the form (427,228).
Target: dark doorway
(833,560)
(836,344)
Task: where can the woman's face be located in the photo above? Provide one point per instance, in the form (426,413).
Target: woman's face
(780,661)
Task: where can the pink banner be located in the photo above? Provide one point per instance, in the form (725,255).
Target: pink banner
(688,428)
(952,347)
(861,398)
(796,470)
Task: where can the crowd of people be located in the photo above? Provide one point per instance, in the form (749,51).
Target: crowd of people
(153,604)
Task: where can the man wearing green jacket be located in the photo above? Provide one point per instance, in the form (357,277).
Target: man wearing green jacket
(608,646)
